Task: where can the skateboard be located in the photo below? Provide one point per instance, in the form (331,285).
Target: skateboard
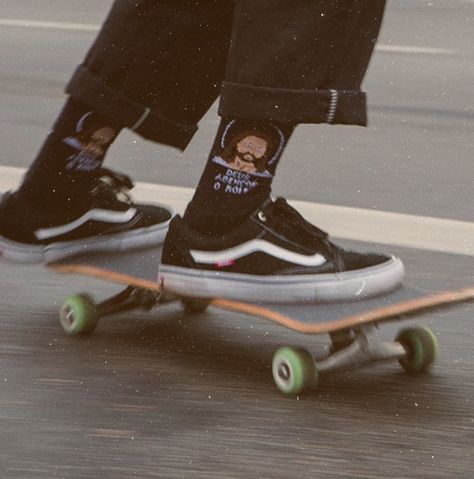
(294,369)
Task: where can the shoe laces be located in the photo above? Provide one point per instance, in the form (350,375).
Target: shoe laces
(294,227)
(287,215)
(113,184)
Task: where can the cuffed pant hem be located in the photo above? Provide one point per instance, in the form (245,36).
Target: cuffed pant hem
(293,106)
(148,123)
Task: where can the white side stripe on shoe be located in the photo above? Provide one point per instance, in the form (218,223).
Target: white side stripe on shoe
(105,216)
(254,246)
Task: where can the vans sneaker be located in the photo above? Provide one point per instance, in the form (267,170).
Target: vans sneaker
(274,256)
(108,222)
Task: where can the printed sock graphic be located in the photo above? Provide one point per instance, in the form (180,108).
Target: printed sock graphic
(90,141)
(238,175)
(69,159)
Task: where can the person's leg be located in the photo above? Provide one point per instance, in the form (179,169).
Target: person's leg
(300,61)
(289,63)
(154,68)
(68,203)
(69,160)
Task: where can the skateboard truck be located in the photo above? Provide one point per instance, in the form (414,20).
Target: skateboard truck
(80,314)
(358,351)
(129,299)
(295,370)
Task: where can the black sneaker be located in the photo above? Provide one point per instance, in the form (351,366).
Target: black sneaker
(108,222)
(275,256)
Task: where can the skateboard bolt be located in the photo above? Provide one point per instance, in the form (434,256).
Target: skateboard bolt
(69,315)
(284,372)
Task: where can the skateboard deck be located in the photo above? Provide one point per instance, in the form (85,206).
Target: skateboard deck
(345,322)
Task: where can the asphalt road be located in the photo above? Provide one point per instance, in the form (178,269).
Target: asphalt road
(163,395)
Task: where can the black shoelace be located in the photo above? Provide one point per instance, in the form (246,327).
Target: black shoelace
(112,184)
(292,225)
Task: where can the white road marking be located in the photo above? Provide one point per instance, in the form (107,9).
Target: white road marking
(416,50)
(13,22)
(89,27)
(382,227)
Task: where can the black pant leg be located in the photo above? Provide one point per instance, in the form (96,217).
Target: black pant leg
(300,61)
(157,66)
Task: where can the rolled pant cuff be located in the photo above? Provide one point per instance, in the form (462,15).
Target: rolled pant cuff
(293,106)
(148,123)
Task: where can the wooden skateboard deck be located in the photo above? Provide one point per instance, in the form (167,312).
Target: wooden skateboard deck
(346,322)
(140,269)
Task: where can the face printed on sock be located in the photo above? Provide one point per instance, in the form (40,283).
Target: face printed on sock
(249,155)
(96,143)
(249,151)
(91,143)
(246,156)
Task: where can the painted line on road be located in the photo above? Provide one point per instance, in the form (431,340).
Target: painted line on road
(89,27)
(12,22)
(415,50)
(382,227)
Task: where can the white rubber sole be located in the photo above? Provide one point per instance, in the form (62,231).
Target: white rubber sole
(130,240)
(346,286)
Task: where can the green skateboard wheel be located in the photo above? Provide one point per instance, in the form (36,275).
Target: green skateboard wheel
(78,315)
(294,370)
(422,349)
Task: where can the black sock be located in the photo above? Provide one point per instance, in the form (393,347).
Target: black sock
(66,166)
(238,175)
